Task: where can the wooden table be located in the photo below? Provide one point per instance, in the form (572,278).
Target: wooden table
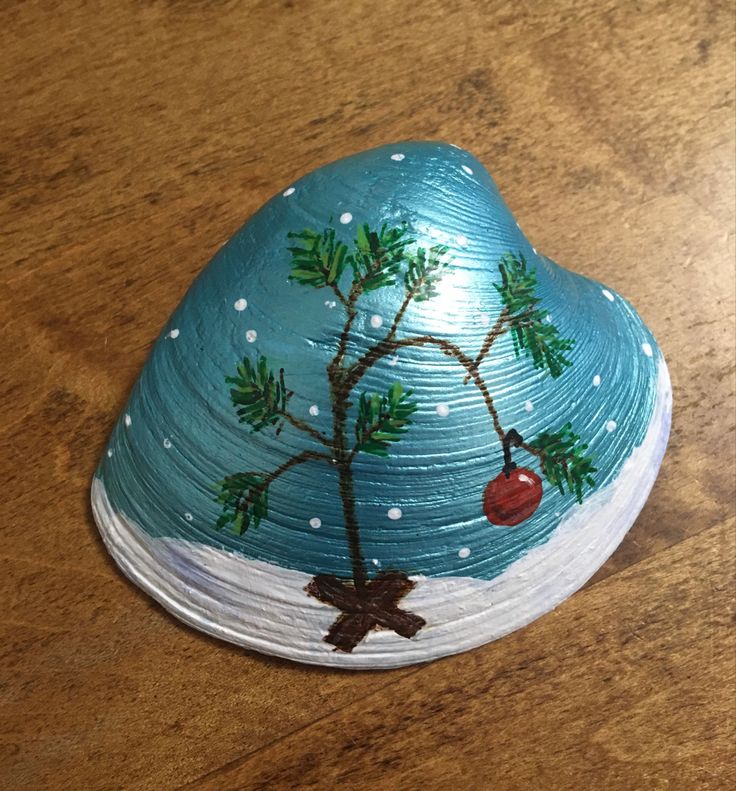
(135,137)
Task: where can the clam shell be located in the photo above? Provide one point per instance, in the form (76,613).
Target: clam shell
(380,427)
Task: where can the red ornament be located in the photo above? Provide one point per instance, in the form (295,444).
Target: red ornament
(510,499)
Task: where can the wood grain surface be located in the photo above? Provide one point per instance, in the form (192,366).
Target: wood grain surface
(135,137)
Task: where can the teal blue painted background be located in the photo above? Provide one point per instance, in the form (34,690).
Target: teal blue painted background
(437,473)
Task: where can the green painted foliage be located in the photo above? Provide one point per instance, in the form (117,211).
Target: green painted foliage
(379,255)
(564,461)
(377,259)
(244,500)
(532,334)
(319,259)
(259,397)
(424,271)
(382,419)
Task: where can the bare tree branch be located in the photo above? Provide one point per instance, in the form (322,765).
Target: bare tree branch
(301,425)
(300,458)
(495,332)
(338,293)
(386,347)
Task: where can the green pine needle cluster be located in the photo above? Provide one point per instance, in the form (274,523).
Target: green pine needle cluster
(319,259)
(424,272)
(564,461)
(382,419)
(259,397)
(244,500)
(377,259)
(379,255)
(530,331)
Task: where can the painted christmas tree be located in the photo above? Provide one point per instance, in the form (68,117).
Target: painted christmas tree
(380,259)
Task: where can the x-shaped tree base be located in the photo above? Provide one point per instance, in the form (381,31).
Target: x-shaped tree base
(372,607)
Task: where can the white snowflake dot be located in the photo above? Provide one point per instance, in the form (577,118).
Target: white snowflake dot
(611,426)
(128,421)
(464,553)
(394,513)
(528,406)
(167,443)
(376,321)
(174,334)
(109,453)
(462,240)
(251,336)
(289,191)
(468,170)
(397,157)
(443,410)
(375,561)
(607,294)
(314,410)
(240,304)
(596,381)
(188,516)
(330,303)
(393,360)
(315,522)
(346,217)
(647,349)
(534,250)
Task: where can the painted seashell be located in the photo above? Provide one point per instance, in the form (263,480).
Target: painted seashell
(380,428)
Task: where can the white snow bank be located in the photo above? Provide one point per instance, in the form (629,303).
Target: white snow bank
(264,607)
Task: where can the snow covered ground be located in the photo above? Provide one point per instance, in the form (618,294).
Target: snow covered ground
(264,607)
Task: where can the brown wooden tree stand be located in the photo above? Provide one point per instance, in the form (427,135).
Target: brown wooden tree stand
(372,606)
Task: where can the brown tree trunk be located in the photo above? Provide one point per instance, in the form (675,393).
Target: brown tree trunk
(345,473)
